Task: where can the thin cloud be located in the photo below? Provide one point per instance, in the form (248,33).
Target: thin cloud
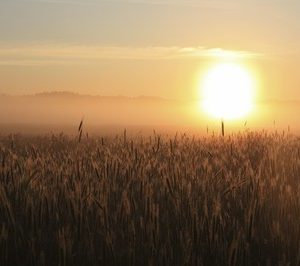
(215,4)
(72,54)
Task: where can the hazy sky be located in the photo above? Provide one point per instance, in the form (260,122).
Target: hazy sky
(146,47)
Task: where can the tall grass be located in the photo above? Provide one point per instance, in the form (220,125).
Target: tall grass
(233,200)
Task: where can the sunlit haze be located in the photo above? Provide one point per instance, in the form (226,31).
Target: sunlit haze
(165,49)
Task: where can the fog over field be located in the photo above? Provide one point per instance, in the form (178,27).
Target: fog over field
(62,111)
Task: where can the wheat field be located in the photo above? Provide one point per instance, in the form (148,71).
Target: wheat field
(155,200)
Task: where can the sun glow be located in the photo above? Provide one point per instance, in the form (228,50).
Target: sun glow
(228,91)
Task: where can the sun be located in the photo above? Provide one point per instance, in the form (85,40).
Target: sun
(228,91)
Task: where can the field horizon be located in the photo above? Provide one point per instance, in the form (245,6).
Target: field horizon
(149,133)
(56,111)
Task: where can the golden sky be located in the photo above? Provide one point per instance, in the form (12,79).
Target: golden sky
(146,47)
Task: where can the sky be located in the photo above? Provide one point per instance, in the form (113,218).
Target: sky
(146,47)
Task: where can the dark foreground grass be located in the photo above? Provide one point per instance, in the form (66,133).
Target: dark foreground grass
(150,201)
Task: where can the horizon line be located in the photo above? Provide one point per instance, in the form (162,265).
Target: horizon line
(136,97)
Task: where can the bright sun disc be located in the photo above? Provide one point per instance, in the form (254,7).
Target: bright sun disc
(227,91)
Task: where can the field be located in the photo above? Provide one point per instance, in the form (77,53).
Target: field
(155,200)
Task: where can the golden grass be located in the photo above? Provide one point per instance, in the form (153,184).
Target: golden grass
(233,200)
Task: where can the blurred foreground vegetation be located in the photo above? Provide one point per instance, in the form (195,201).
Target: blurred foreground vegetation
(158,200)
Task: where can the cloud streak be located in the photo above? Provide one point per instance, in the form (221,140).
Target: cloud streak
(76,54)
(215,4)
